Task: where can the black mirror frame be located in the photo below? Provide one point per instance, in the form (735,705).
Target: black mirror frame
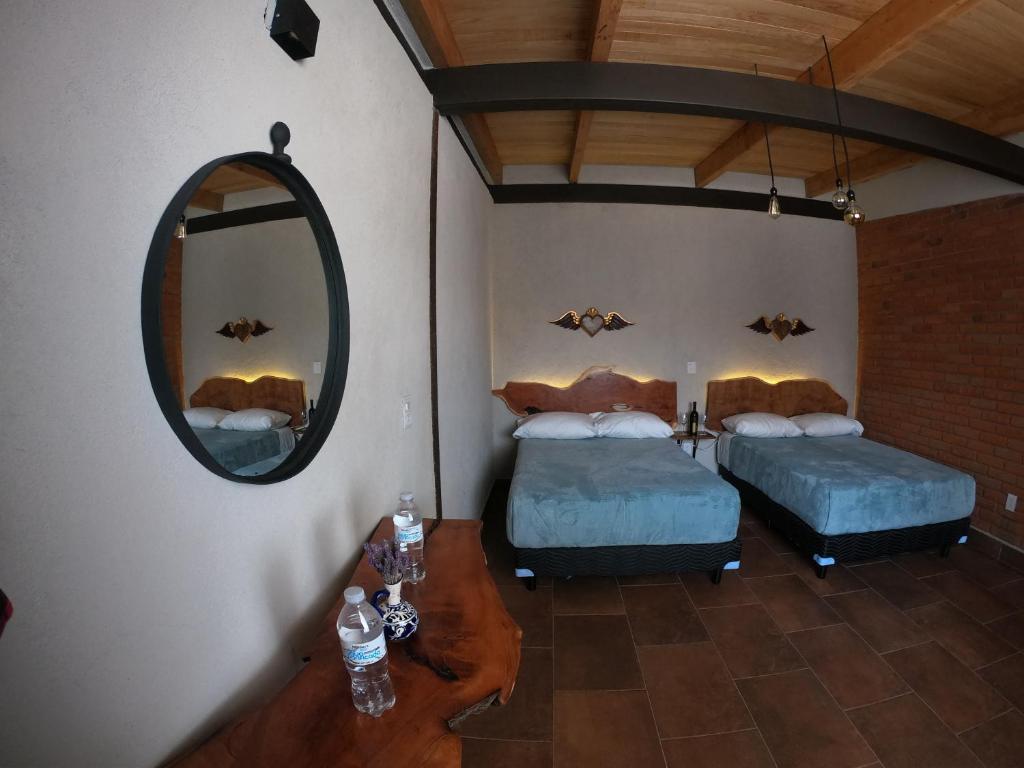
(336,370)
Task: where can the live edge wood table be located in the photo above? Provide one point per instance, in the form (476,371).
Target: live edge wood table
(464,657)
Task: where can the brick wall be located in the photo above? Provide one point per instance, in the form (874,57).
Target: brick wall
(942,345)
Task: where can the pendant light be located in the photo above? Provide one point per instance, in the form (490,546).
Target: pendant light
(853,214)
(179,228)
(839,198)
(774,209)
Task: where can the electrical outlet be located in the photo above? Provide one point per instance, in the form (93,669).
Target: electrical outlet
(318,367)
(691,367)
(406,412)
(1011,503)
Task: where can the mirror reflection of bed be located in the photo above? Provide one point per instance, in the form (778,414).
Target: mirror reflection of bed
(248,252)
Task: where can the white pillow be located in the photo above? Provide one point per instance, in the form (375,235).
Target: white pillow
(827,425)
(761,425)
(632,424)
(204,418)
(254,420)
(557,425)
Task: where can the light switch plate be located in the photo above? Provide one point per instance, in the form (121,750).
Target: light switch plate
(406,412)
(1011,503)
(691,367)
(318,367)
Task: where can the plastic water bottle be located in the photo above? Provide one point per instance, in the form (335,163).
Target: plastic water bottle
(409,536)
(366,655)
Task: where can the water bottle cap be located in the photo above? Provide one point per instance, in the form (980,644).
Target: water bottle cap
(406,496)
(354,595)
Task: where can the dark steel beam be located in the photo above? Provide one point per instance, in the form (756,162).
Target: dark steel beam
(652,195)
(694,91)
(244,216)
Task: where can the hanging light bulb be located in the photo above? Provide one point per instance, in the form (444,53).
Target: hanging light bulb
(179,228)
(839,198)
(854,213)
(774,209)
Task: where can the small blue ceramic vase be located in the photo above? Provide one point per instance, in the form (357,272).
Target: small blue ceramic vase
(400,617)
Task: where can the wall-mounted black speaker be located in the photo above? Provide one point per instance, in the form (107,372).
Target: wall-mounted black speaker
(294,27)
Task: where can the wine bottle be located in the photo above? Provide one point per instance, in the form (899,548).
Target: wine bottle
(694,419)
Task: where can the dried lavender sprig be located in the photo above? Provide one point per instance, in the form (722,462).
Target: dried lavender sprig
(390,562)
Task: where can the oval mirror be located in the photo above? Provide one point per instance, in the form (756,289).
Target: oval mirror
(245,317)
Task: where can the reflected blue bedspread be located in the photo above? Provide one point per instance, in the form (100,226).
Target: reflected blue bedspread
(234,449)
(608,492)
(850,484)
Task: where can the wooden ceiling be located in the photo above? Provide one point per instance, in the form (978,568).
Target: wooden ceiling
(957,59)
(230,178)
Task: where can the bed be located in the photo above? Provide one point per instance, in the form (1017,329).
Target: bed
(243,452)
(841,498)
(605,506)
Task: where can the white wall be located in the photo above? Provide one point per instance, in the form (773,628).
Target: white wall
(270,272)
(153,599)
(690,279)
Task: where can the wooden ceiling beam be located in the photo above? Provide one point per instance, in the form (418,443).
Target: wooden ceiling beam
(207,200)
(876,42)
(600,48)
(431,24)
(1000,119)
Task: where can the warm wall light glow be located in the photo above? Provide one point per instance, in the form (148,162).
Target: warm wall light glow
(768,377)
(251,377)
(562,382)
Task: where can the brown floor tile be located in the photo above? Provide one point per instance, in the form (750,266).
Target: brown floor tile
(502,566)
(1012,593)
(595,653)
(896,585)
(587,595)
(691,690)
(652,578)
(757,559)
(1007,676)
(759,529)
(801,723)
(750,641)
(983,569)
(904,733)
(1011,629)
(744,749)
(605,728)
(958,696)
(662,614)
(839,579)
(531,611)
(999,742)
(1013,558)
(969,596)
(732,590)
(853,673)
(884,627)
(792,604)
(971,642)
(488,753)
(922,564)
(527,715)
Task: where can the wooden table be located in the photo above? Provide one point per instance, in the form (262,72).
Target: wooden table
(463,626)
(696,438)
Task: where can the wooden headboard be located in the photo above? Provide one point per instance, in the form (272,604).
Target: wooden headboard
(595,390)
(274,392)
(728,397)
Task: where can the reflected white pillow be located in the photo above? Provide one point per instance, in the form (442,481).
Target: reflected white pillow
(631,424)
(254,420)
(827,425)
(557,425)
(761,425)
(204,418)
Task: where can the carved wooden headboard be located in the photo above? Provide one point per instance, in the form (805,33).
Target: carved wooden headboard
(595,390)
(728,397)
(273,392)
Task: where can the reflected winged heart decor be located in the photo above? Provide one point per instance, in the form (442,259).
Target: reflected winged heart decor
(780,327)
(592,321)
(243,329)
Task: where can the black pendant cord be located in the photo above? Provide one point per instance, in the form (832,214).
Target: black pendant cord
(839,118)
(434,420)
(767,143)
(835,162)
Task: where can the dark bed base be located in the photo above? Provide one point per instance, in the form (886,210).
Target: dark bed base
(847,546)
(565,562)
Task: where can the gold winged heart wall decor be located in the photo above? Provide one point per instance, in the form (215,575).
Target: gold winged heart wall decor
(592,321)
(243,329)
(780,327)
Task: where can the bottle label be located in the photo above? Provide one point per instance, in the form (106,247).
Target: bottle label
(363,654)
(410,534)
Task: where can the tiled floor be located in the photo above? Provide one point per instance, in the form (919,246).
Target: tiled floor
(915,661)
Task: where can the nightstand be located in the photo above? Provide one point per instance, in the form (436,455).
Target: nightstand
(679,437)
